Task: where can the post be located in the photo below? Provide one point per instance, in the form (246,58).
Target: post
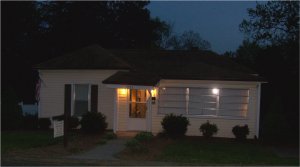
(67,113)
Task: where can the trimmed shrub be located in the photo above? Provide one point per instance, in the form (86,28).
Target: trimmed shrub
(175,126)
(144,136)
(240,132)
(93,122)
(135,146)
(73,121)
(110,136)
(44,123)
(208,129)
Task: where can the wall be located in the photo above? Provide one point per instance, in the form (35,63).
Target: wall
(52,91)
(224,124)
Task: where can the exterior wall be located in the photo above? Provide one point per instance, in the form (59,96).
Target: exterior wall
(52,91)
(224,124)
(122,109)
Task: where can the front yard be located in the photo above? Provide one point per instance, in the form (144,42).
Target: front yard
(199,151)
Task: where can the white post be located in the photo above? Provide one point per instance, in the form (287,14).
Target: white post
(115,125)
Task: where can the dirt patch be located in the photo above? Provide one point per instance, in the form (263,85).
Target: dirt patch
(155,147)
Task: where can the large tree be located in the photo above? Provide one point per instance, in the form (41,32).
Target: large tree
(273,22)
(37,31)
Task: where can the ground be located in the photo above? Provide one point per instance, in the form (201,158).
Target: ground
(39,148)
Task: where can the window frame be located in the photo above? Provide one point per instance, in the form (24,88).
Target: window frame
(130,103)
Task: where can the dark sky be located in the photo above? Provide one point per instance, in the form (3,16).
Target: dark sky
(218,22)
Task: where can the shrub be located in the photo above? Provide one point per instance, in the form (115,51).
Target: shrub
(135,146)
(44,123)
(208,130)
(240,132)
(175,126)
(110,136)
(30,122)
(73,121)
(93,122)
(144,136)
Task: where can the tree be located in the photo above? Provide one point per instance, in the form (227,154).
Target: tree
(272,23)
(188,40)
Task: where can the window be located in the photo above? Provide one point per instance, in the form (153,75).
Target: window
(172,100)
(204,101)
(81,99)
(138,103)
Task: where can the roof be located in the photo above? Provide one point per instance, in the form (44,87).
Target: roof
(91,57)
(147,67)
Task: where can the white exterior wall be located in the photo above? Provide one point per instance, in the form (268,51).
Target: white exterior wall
(224,124)
(122,109)
(52,91)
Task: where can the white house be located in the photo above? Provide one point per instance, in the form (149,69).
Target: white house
(136,88)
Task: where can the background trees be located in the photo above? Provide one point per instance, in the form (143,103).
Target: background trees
(272,49)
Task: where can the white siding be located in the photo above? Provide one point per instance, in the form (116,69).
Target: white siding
(224,124)
(122,109)
(52,91)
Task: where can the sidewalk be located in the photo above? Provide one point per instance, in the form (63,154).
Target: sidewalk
(103,152)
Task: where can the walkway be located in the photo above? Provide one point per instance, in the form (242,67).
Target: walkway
(103,152)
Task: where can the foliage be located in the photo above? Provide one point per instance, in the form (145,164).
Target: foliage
(188,40)
(240,132)
(30,122)
(44,123)
(110,136)
(208,129)
(135,146)
(175,125)
(11,113)
(93,122)
(144,136)
(273,22)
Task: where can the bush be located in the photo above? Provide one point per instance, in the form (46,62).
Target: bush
(73,121)
(110,136)
(175,126)
(208,130)
(93,122)
(144,136)
(44,123)
(135,146)
(30,122)
(240,132)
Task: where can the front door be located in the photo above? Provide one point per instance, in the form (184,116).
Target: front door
(137,116)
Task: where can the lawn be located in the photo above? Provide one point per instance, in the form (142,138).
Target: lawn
(13,140)
(222,152)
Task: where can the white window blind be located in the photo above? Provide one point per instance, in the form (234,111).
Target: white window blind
(172,100)
(202,102)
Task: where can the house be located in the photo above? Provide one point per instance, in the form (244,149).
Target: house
(135,88)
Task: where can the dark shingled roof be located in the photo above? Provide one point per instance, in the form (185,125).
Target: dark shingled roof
(147,67)
(91,57)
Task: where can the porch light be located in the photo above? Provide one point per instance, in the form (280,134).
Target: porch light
(123,91)
(153,95)
(215,91)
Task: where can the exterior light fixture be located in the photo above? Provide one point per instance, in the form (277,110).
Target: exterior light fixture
(153,95)
(123,91)
(215,91)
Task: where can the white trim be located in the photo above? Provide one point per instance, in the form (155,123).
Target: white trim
(258,109)
(149,112)
(129,86)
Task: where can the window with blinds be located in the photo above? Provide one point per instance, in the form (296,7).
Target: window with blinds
(203,102)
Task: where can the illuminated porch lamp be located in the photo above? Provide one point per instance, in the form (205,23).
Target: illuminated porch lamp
(153,95)
(215,91)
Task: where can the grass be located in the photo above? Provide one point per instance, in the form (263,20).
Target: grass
(222,152)
(26,139)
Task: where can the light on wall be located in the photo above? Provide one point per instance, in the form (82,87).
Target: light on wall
(215,91)
(153,95)
(123,91)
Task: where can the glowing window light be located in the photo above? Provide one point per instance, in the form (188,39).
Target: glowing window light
(153,92)
(123,91)
(215,91)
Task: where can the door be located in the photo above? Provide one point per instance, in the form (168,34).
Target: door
(137,115)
